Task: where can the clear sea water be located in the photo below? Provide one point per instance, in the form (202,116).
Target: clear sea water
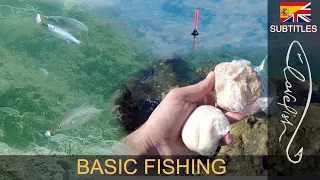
(123,36)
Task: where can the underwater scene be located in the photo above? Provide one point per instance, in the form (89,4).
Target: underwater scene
(76,76)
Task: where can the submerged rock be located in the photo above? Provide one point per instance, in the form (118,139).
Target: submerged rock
(135,103)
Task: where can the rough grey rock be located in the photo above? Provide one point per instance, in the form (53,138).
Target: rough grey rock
(140,96)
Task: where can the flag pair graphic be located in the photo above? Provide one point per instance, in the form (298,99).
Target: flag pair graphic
(295,11)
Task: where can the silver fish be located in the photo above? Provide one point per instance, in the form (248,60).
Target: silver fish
(43,72)
(66,22)
(9,111)
(75,118)
(62,33)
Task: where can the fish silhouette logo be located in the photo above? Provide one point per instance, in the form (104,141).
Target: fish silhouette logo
(295,12)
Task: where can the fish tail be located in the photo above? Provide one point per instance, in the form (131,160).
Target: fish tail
(76,40)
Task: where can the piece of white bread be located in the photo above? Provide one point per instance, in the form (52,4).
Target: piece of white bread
(204,129)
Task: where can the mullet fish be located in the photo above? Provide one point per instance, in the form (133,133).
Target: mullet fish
(62,33)
(59,32)
(74,119)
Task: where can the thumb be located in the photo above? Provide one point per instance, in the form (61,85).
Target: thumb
(196,92)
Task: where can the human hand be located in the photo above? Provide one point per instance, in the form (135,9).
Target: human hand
(161,134)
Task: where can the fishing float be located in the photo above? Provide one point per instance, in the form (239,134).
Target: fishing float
(195,32)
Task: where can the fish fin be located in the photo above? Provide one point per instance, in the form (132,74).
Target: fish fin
(85,104)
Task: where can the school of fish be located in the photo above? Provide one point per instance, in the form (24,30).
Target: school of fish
(59,32)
